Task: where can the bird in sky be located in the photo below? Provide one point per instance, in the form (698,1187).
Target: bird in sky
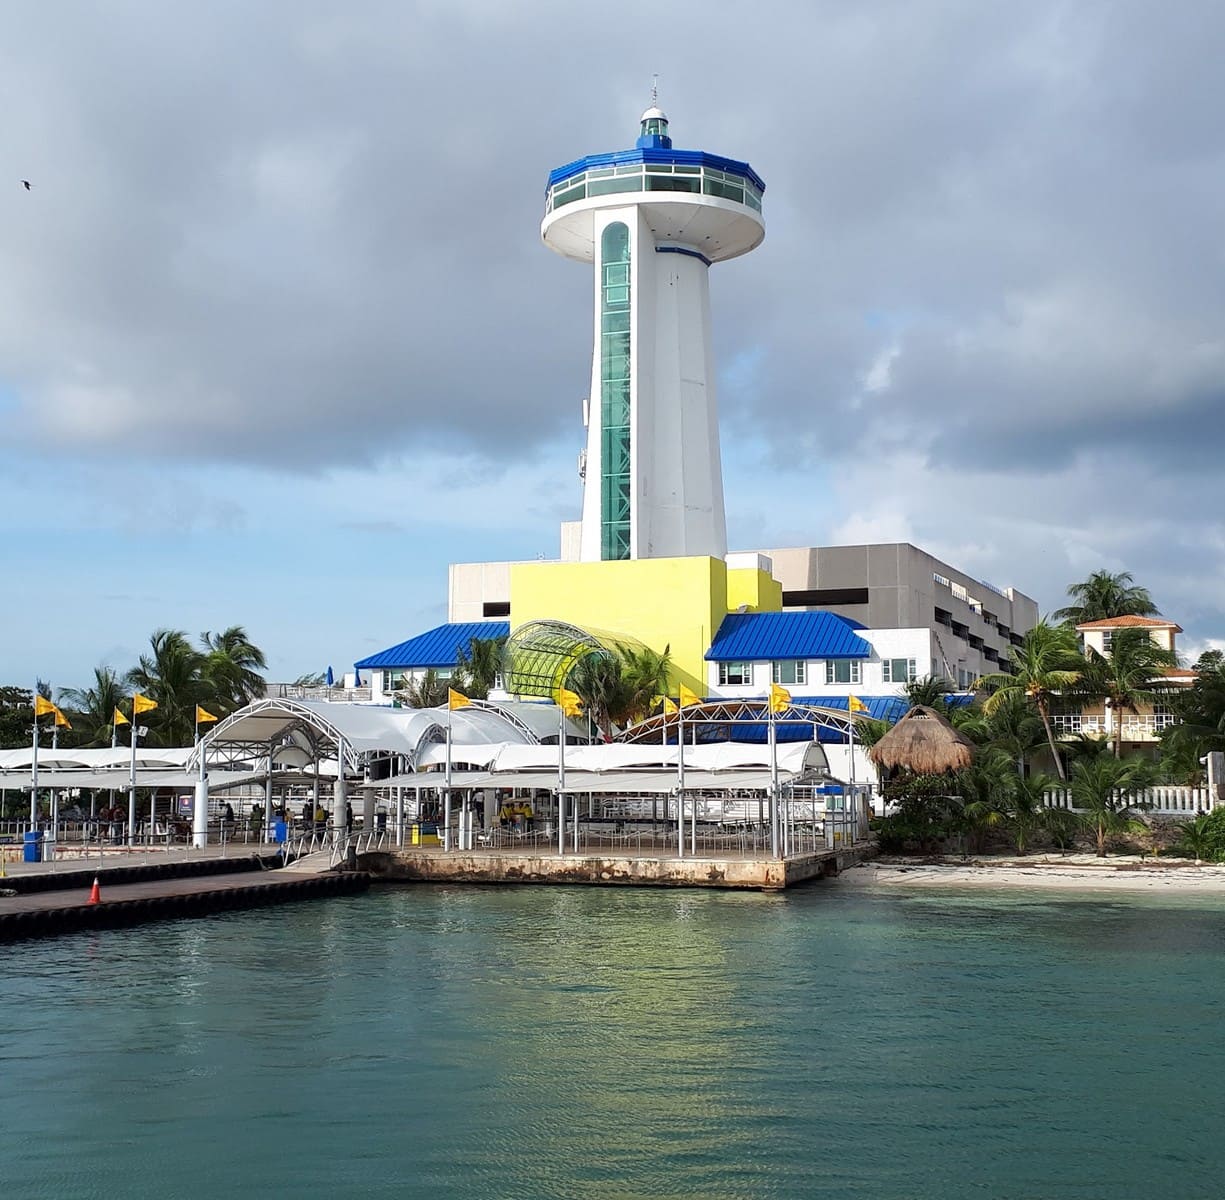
(25,183)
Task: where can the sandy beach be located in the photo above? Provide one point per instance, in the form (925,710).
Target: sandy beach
(1074,872)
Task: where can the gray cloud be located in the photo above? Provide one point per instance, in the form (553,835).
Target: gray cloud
(304,235)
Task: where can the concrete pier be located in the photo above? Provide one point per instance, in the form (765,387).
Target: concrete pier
(429,865)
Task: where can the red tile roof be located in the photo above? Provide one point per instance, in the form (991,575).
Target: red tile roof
(1131,623)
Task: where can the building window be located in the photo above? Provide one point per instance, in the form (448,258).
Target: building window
(898,670)
(790,670)
(733,674)
(818,597)
(1107,640)
(615,485)
(842,670)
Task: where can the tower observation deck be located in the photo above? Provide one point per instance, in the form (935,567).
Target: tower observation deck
(651,221)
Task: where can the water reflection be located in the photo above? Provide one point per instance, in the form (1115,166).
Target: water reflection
(475,1042)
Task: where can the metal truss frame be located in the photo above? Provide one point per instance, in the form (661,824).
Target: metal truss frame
(715,721)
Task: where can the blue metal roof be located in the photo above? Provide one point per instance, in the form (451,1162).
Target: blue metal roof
(441,647)
(752,637)
(693,158)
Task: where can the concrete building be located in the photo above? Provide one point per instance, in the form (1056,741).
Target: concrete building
(918,608)
(1141,729)
(972,624)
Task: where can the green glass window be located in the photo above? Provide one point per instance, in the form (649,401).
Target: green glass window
(615,283)
(842,671)
(790,671)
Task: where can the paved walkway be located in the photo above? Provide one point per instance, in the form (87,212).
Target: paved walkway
(136,856)
(148,890)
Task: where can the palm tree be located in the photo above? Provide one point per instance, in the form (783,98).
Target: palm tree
(1012,726)
(173,676)
(1046,663)
(93,708)
(597,679)
(1026,806)
(429,691)
(1124,678)
(1200,713)
(479,667)
(1104,595)
(231,667)
(985,788)
(644,672)
(1102,789)
(931,691)
(869,731)
(1197,837)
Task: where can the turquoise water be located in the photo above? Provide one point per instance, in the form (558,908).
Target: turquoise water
(566,1042)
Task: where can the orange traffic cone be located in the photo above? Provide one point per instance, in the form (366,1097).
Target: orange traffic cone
(95,893)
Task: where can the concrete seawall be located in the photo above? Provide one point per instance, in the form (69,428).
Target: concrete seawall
(757,874)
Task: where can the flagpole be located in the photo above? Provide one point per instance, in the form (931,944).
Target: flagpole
(132,780)
(773,735)
(561,779)
(446,815)
(851,814)
(34,766)
(680,782)
(55,795)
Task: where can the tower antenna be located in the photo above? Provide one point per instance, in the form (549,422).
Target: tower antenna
(655,90)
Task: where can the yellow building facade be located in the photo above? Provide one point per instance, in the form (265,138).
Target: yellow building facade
(674,603)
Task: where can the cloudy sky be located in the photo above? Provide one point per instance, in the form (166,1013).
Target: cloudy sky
(278,338)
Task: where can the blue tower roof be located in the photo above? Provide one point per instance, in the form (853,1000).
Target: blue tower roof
(654,145)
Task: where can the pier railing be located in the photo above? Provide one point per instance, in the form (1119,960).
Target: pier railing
(1154,801)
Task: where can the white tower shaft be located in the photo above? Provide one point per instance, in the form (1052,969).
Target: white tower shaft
(653,486)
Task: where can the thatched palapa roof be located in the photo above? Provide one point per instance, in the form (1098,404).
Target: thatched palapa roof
(923,742)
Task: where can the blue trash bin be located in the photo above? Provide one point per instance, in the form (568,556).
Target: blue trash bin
(32,850)
(279,830)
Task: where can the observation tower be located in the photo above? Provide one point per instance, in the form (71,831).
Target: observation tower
(652,220)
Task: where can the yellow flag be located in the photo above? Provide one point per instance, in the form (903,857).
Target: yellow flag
(456,699)
(570,703)
(61,720)
(780,698)
(43,707)
(119,719)
(670,707)
(203,716)
(855,704)
(687,697)
(142,704)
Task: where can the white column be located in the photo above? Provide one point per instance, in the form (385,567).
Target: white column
(268,799)
(339,795)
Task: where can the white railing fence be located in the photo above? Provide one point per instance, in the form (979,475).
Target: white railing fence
(1159,801)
